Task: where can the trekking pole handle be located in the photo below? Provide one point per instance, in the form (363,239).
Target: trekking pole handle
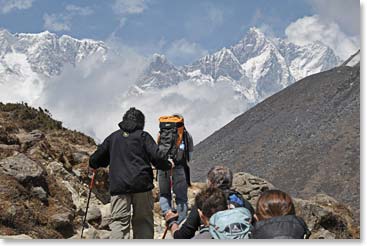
(92,180)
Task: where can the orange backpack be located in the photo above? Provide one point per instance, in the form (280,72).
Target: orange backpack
(171,134)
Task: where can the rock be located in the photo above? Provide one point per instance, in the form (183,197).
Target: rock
(21,236)
(92,233)
(323,234)
(23,169)
(63,223)
(79,157)
(40,193)
(323,213)
(104,234)
(250,186)
(27,140)
(94,215)
(9,147)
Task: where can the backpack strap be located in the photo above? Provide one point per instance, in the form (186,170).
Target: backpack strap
(186,142)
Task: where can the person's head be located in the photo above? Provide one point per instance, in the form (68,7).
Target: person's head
(220,176)
(210,201)
(273,203)
(132,120)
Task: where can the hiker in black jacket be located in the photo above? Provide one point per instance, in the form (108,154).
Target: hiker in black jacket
(276,218)
(129,152)
(220,177)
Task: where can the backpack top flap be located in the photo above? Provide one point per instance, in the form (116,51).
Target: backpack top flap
(231,224)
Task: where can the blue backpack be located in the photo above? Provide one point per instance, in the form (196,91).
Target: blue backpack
(231,224)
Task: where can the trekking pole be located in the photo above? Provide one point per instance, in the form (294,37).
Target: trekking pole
(90,192)
(172,202)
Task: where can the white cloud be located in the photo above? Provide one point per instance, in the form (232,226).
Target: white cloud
(56,22)
(63,21)
(77,10)
(87,97)
(313,28)
(184,52)
(126,7)
(6,6)
(345,13)
(92,98)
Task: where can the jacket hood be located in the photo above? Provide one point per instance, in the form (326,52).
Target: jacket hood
(282,227)
(128,126)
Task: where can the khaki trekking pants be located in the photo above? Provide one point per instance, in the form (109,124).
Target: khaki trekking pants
(142,216)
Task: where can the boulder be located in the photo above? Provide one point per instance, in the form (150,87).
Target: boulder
(25,170)
(250,186)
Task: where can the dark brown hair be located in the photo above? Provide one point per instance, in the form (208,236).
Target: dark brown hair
(273,203)
(210,201)
(221,177)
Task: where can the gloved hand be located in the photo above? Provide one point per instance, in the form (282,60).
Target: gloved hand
(171,162)
(170,217)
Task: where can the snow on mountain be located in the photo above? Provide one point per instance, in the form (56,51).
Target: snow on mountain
(46,52)
(257,66)
(160,74)
(218,86)
(27,61)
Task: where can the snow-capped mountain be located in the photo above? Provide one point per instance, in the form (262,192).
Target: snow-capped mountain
(38,69)
(257,66)
(27,61)
(47,53)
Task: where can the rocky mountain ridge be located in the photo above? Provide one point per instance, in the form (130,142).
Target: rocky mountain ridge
(257,66)
(44,188)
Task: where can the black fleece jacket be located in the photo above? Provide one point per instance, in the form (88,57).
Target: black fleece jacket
(130,155)
(282,227)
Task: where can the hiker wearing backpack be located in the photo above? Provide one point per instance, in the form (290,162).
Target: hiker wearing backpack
(208,202)
(220,177)
(129,152)
(178,142)
(276,218)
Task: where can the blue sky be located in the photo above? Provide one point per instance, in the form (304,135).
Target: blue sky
(183,30)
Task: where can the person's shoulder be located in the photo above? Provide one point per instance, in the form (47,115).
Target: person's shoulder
(117,132)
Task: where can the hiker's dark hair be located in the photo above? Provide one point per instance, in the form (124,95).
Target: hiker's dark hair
(273,203)
(210,201)
(221,177)
(132,120)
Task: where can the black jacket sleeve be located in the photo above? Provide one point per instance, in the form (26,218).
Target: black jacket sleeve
(101,157)
(156,156)
(190,226)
